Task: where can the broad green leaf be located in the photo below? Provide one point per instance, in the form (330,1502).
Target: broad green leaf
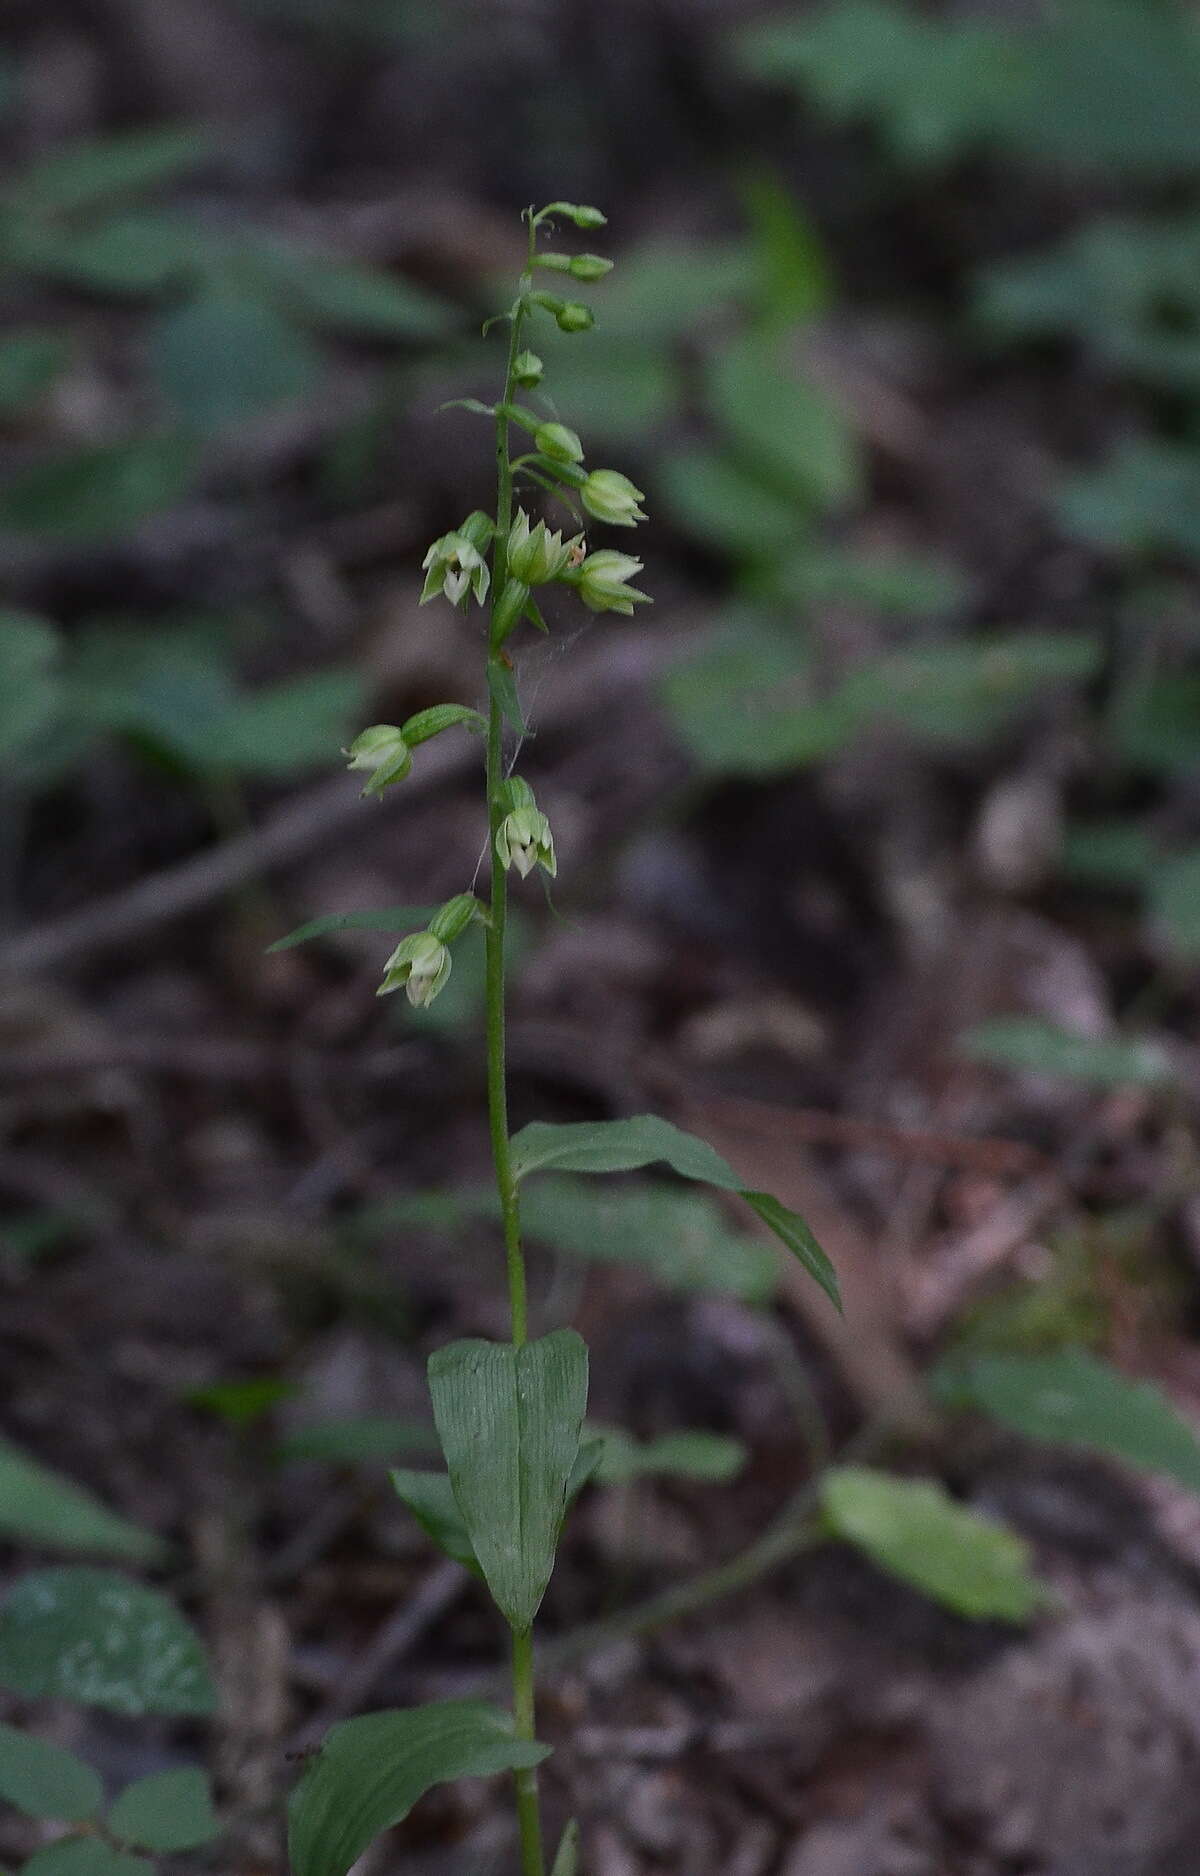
(726,504)
(371,1771)
(1144,499)
(713,1458)
(964,691)
(44,1781)
(283,728)
(430,1498)
(1128,287)
(227,355)
(784,427)
(1175,903)
(510,1420)
(29,364)
(99,493)
(1111,86)
(38,1506)
(29,687)
(1073,1399)
(678,1237)
(603,1146)
(936,88)
(346,296)
(127,254)
(363,1440)
(401,918)
(913,1529)
(84,1856)
(627,1145)
(92,1636)
(1158,726)
(85,174)
(166,1811)
(618,391)
(1031,1046)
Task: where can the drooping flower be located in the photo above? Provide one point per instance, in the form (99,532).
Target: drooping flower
(420,965)
(603,582)
(382,753)
(612,497)
(523,838)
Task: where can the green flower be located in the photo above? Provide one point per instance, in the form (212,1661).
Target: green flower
(534,554)
(523,838)
(611,497)
(603,582)
(454,564)
(421,964)
(382,753)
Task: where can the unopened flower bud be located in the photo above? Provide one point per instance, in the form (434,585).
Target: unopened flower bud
(589,266)
(382,753)
(574,316)
(453,566)
(557,442)
(603,582)
(612,497)
(420,965)
(578,212)
(527,369)
(535,555)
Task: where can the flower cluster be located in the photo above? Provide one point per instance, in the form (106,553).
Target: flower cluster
(507,559)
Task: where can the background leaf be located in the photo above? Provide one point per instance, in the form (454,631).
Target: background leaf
(166,1811)
(38,1506)
(227,355)
(371,1771)
(84,1856)
(99,493)
(1071,1398)
(913,1529)
(626,1145)
(102,1639)
(1028,1044)
(43,1780)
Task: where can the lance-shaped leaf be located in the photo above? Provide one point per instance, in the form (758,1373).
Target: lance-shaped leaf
(1072,1399)
(510,1420)
(602,1146)
(38,1506)
(386,918)
(96,1637)
(371,1771)
(914,1529)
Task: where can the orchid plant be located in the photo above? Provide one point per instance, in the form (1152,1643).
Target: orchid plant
(509,1415)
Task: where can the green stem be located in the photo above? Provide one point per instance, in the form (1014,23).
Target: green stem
(528,1811)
